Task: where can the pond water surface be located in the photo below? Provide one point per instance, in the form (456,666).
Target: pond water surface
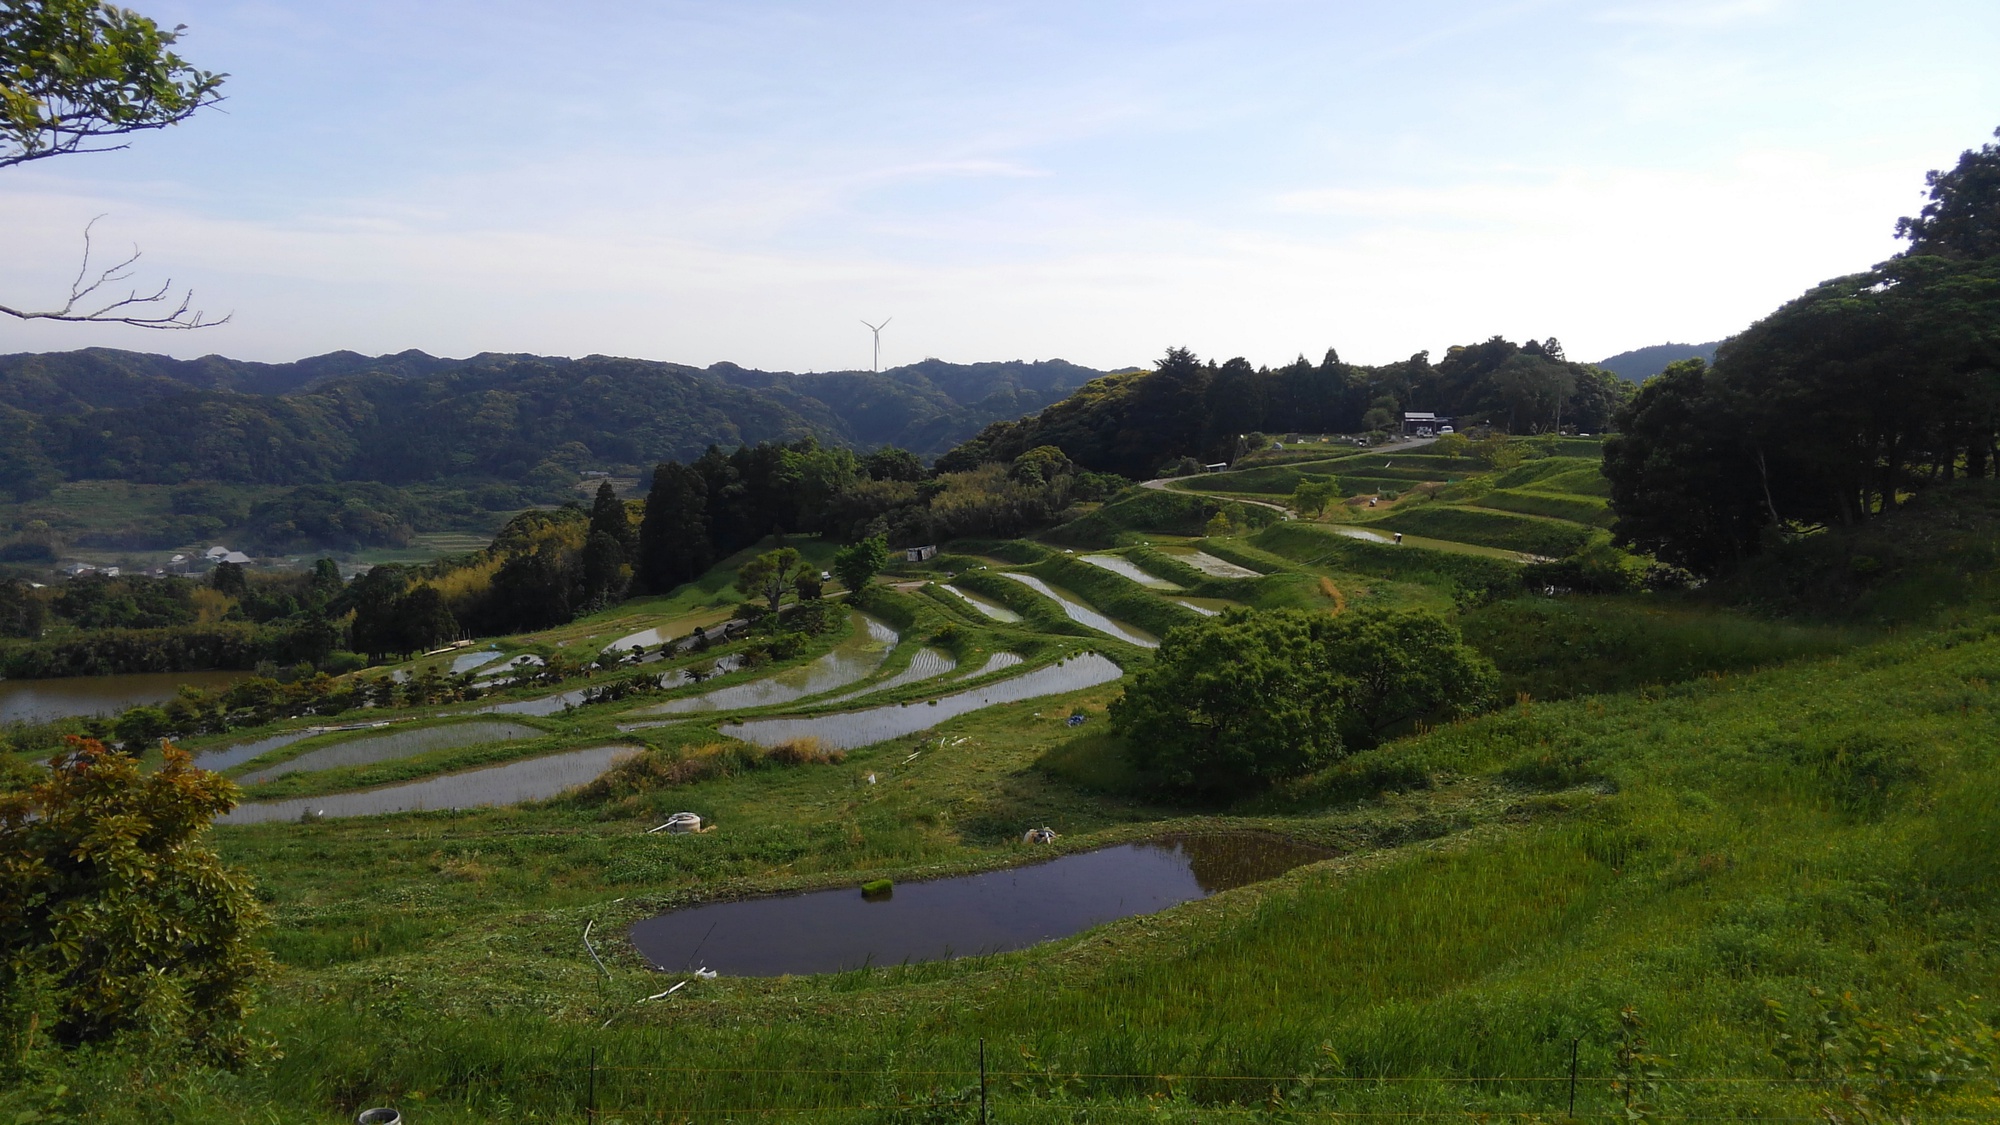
(393,744)
(851,730)
(853,659)
(992,912)
(1086,616)
(40,701)
(534,779)
(1125,568)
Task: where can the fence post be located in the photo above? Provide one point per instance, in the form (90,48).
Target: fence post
(1572,1076)
(982,1080)
(590,1102)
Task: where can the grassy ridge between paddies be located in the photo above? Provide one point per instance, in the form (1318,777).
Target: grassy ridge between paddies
(1690,854)
(1149,510)
(1461,576)
(1114,595)
(1526,534)
(1590,510)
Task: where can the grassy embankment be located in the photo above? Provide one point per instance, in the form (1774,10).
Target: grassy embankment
(1754,808)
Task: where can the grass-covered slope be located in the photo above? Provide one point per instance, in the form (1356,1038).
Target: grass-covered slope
(1682,809)
(1693,855)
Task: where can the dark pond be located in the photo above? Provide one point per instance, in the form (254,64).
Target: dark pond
(39,701)
(992,912)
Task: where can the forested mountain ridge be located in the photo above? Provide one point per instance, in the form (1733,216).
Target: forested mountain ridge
(411,417)
(1641,364)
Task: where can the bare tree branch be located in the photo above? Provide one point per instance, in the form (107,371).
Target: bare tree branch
(136,308)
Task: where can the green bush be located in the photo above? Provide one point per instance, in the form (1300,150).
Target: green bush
(1247,699)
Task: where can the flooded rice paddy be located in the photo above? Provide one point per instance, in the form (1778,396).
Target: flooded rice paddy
(1125,568)
(533,779)
(991,912)
(391,745)
(41,701)
(851,730)
(985,605)
(1207,607)
(1210,565)
(546,705)
(853,659)
(1084,615)
(510,667)
(553,704)
(927,664)
(997,662)
(227,757)
(468,661)
(670,631)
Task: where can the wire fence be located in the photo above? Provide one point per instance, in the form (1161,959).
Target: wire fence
(993,1095)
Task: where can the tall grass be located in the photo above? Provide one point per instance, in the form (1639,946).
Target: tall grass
(1554,648)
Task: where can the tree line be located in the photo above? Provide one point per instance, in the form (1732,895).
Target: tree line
(703,511)
(1133,423)
(1840,405)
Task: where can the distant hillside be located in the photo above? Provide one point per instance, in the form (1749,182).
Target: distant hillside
(412,418)
(1641,364)
(1133,423)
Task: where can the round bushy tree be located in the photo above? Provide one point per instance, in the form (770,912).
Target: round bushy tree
(115,915)
(1234,702)
(1239,701)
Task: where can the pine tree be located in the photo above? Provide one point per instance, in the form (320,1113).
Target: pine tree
(674,545)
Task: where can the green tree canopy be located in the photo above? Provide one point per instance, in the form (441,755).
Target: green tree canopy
(674,543)
(857,564)
(770,574)
(1314,493)
(115,914)
(1962,219)
(77,75)
(1234,703)
(1240,701)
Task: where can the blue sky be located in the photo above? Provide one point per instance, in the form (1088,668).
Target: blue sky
(744,181)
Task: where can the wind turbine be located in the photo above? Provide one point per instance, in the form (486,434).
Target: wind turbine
(877,329)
